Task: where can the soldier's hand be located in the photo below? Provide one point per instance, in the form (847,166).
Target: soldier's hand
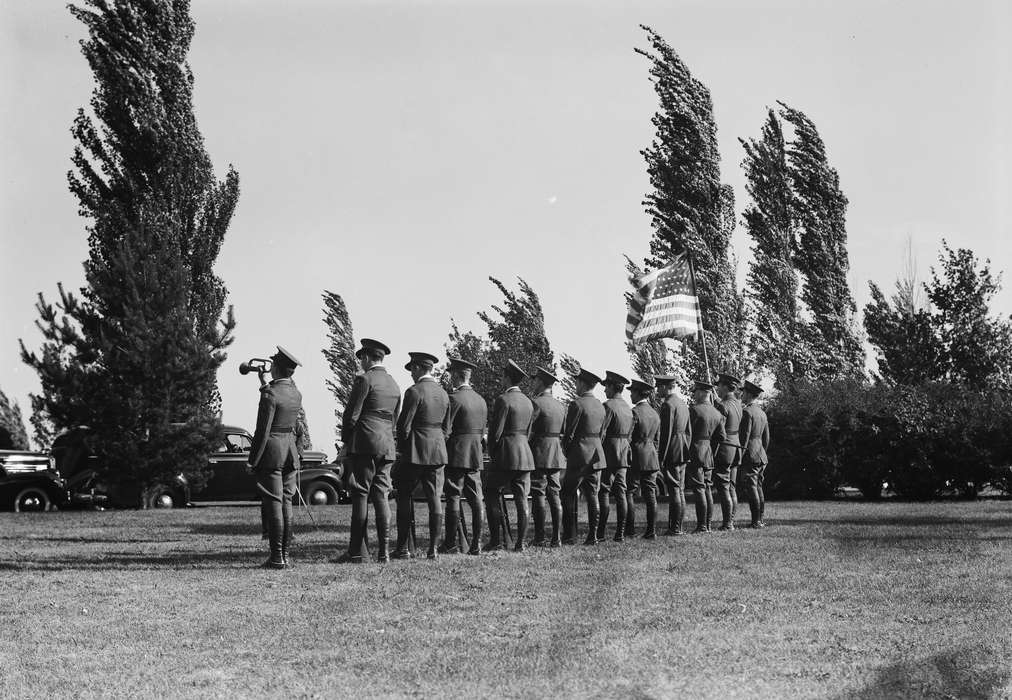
(249,468)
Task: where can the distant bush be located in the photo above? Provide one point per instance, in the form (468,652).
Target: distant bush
(923,441)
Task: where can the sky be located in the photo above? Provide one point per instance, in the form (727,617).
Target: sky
(401,152)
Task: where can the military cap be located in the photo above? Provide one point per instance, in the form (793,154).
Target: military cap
(513,371)
(664,379)
(283,358)
(589,377)
(423,358)
(702,386)
(544,375)
(370,344)
(639,385)
(457,363)
(753,389)
(728,379)
(614,378)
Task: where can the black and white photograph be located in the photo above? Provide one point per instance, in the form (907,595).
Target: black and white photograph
(506,349)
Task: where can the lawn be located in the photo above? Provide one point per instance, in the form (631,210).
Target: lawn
(832,600)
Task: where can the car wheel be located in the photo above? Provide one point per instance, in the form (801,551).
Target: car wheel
(164,498)
(320,493)
(32,499)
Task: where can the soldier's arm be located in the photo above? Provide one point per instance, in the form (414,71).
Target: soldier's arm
(497,425)
(766,435)
(666,431)
(353,410)
(534,417)
(744,428)
(451,415)
(573,414)
(265,416)
(720,434)
(407,415)
(609,416)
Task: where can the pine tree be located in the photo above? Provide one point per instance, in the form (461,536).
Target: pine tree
(340,355)
(688,205)
(569,369)
(13,435)
(820,212)
(515,331)
(777,340)
(135,355)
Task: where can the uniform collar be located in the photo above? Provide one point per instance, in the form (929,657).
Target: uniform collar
(465,385)
(588,393)
(513,388)
(426,376)
(642,401)
(282,380)
(546,392)
(379,368)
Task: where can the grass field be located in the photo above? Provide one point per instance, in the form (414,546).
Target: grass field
(833,600)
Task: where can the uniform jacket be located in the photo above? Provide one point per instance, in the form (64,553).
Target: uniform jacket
(581,433)
(675,433)
(367,427)
(423,422)
(465,428)
(645,436)
(274,437)
(707,433)
(755,435)
(618,425)
(508,430)
(728,452)
(546,432)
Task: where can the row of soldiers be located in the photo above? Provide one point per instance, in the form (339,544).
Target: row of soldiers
(537,448)
(542,450)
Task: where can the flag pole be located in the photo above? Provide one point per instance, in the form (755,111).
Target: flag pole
(702,331)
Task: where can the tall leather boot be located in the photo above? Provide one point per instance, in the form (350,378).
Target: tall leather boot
(435,527)
(401,551)
(286,544)
(603,511)
(630,515)
(762,507)
(382,508)
(700,510)
(522,519)
(449,545)
(354,553)
(724,494)
(709,507)
(477,520)
(651,502)
(538,513)
(753,506)
(495,523)
(593,518)
(734,493)
(619,529)
(621,512)
(555,506)
(569,505)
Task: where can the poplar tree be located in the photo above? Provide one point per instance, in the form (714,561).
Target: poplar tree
(688,205)
(820,209)
(134,355)
(13,435)
(340,353)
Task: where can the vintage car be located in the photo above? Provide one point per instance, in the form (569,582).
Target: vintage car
(320,483)
(29,482)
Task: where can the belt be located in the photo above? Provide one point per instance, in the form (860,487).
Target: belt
(587,435)
(514,432)
(282,430)
(382,415)
(701,441)
(426,425)
(466,432)
(546,435)
(620,436)
(731,432)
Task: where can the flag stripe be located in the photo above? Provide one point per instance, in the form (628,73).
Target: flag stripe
(665,304)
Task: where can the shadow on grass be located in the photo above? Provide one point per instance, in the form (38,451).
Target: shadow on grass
(919,521)
(119,561)
(962,673)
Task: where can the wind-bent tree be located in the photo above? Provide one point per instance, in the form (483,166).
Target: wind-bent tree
(135,354)
(515,331)
(340,354)
(777,338)
(819,210)
(688,205)
(13,435)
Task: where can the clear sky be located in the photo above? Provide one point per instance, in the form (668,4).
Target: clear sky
(399,153)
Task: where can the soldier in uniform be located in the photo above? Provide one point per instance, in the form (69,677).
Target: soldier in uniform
(674,439)
(755,440)
(421,442)
(707,425)
(645,465)
(466,428)
(367,431)
(728,457)
(511,459)
(617,429)
(274,456)
(581,440)
(549,460)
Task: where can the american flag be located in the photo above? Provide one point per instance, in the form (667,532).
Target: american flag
(665,304)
